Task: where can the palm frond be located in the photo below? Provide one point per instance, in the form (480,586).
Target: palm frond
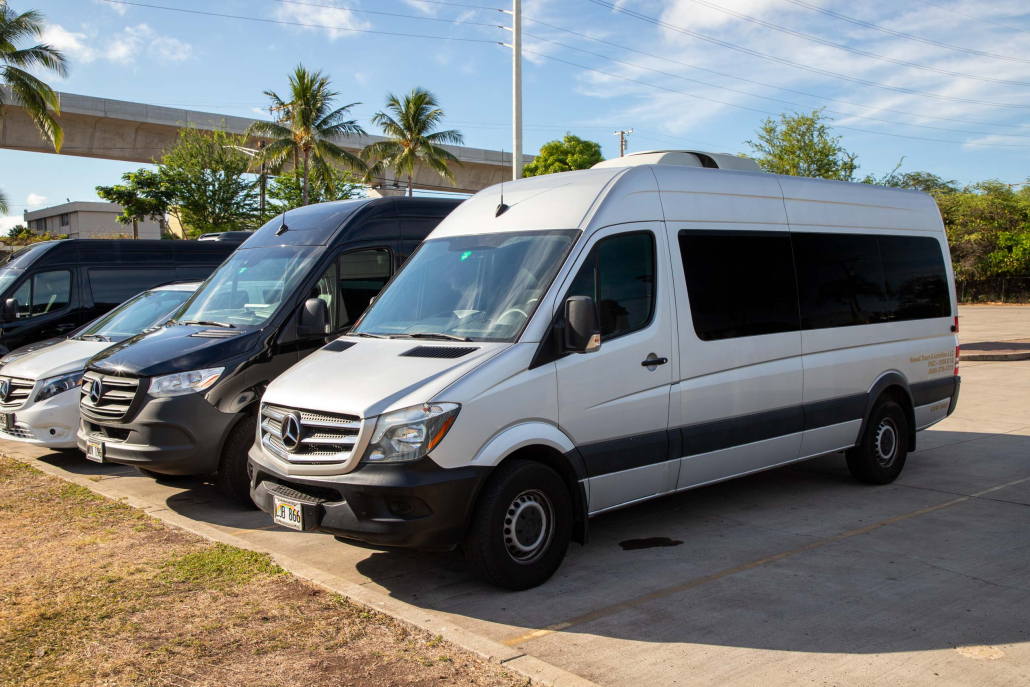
(432,151)
(35,96)
(269,130)
(4,207)
(451,136)
(381,150)
(325,150)
(440,167)
(341,130)
(40,56)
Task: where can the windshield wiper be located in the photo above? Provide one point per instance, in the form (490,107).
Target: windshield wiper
(434,335)
(93,337)
(208,323)
(372,336)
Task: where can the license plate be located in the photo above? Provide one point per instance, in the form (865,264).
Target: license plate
(287,513)
(8,421)
(95,451)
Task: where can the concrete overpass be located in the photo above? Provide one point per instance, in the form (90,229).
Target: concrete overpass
(137,132)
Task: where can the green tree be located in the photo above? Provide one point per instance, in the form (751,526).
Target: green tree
(988,225)
(919,181)
(410,126)
(3,203)
(286,191)
(571,152)
(16,63)
(306,130)
(17,231)
(144,194)
(801,145)
(205,175)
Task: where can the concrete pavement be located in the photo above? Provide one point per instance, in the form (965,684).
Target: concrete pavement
(798,575)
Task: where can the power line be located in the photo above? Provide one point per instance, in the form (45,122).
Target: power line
(774,114)
(902,34)
(455,4)
(967,16)
(387,14)
(796,65)
(777,100)
(301,24)
(763,84)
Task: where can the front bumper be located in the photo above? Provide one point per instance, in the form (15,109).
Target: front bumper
(415,505)
(51,423)
(179,435)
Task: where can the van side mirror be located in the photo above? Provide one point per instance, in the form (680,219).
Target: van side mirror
(314,318)
(9,312)
(582,325)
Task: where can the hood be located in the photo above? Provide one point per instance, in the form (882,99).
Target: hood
(57,359)
(372,376)
(30,348)
(174,348)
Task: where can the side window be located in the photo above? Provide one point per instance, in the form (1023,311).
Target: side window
(24,297)
(326,290)
(739,283)
(619,274)
(915,276)
(111,287)
(840,280)
(363,274)
(51,291)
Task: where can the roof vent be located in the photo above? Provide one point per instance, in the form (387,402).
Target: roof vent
(683,158)
(438,351)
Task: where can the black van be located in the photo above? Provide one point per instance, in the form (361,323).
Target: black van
(51,288)
(183,400)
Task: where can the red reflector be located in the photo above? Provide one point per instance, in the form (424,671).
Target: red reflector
(956,358)
(956,324)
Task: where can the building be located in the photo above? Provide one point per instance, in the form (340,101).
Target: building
(86,220)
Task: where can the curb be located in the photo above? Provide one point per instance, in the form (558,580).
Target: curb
(537,671)
(997,357)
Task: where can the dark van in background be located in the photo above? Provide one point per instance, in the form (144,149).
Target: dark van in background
(51,288)
(183,400)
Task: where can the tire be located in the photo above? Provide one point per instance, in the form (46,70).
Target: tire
(160,477)
(527,555)
(880,455)
(232,478)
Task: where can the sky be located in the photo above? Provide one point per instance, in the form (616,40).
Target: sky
(943,84)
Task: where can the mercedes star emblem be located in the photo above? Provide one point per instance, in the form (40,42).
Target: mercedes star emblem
(5,389)
(95,391)
(291,432)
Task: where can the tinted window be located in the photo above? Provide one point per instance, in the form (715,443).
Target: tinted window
(111,287)
(619,276)
(739,283)
(840,280)
(146,310)
(363,274)
(915,277)
(51,291)
(24,297)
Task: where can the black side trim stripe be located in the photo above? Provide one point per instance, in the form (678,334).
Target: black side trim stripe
(735,431)
(835,411)
(934,390)
(616,455)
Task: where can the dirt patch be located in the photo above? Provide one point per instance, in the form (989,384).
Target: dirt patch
(96,592)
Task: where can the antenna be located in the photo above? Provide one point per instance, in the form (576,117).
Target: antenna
(282,227)
(502,208)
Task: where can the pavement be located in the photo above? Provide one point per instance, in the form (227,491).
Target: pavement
(796,575)
(992,332)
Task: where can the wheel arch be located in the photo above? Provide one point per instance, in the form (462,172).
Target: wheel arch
(895,386)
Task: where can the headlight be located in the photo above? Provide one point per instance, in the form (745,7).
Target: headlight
(55,385)
(410,433)
(182,383)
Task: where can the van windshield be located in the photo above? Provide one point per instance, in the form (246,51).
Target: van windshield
(249,287)
(477,288)
(141,312)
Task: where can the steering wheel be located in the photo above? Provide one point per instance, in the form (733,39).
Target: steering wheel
(500,320)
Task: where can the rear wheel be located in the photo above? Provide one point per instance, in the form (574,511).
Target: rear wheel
(521,526)
(232,470)
(880,455)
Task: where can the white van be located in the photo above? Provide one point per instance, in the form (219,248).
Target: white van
(34,405)
(599,338)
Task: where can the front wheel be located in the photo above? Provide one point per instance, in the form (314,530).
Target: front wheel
(232,470)
(880,455)
(521,526)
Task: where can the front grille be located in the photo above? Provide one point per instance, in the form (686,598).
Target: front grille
(19,430)
(325,438)
(302,492)
(116,396)
(18,392)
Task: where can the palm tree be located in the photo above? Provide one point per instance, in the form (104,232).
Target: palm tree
(412,139)
(305,128)
(22,88)
(3,204)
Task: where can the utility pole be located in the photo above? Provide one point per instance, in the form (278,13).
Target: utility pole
(623,135)
(516,81)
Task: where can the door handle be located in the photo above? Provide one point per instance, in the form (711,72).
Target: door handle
(651,362)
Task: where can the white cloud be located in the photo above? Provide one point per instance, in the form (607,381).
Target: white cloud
(333,20)
(123,47)
(35,199)
(8,222)
(120,10)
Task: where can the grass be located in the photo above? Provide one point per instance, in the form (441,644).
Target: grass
(96,592)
